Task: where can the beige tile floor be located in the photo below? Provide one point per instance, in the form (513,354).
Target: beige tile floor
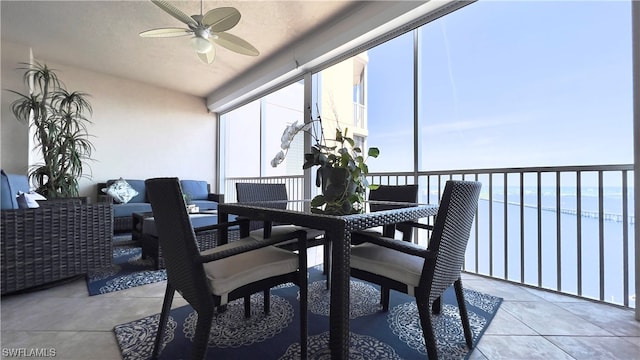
(530,324)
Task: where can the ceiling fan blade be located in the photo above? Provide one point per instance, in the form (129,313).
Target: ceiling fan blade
(207,57)
(175,12)
(166,32)
(221,19)
(235,43)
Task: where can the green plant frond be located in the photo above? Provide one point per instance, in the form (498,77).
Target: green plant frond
(356,173)
(350,141)
(343,161)
(43,77)
(23,107)
(59,125)
(74,102)
(374,152)
(318,201)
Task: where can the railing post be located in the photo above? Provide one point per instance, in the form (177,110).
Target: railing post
(308,98)
(635,46)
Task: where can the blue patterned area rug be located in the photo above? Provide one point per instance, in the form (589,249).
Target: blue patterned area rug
(127,270)
(374,334)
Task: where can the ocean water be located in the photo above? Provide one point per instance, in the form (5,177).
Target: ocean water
(546,251)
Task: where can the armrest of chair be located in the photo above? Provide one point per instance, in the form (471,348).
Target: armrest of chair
(241,221)
(402,246)
(80,200)
(238,247)
(219,198)
(419,225)
(104,198)
(53,242)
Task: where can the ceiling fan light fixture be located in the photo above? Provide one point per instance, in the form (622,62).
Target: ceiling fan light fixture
(201,45)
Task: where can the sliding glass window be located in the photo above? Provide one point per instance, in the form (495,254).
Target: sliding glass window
(526,83)
(252,137)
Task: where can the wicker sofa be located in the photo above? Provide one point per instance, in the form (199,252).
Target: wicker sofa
(58,240)
(196,190)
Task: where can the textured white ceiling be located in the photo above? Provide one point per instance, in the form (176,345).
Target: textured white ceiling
(103,36)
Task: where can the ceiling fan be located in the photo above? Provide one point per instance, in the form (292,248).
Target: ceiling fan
(211,26)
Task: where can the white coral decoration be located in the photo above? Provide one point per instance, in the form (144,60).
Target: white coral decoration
(288,135)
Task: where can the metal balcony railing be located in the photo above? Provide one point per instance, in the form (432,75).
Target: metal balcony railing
(564,229)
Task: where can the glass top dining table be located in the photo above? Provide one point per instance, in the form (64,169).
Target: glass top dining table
(338,229)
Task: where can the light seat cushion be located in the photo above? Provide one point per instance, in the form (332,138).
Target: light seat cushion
(390,263)
(286,229)
(230,273)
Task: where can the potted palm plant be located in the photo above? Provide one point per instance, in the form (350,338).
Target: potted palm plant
(58,119)
(342,172)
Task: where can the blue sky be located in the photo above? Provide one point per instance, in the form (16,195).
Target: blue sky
(508,84)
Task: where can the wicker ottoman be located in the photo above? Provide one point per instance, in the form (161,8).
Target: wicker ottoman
(148,239)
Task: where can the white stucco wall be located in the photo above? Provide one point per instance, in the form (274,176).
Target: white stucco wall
(140,131)
(14,136)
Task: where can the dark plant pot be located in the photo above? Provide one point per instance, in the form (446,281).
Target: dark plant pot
(337,187)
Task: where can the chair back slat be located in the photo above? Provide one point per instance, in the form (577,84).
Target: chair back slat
(250,192)
(450,235)
(178,241)
(397,193)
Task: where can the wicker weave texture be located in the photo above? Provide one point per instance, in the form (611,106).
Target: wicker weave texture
(122,224)
(51,243)
(206,240)
(252,192)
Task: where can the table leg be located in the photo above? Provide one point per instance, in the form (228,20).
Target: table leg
(223,236)
(340,297)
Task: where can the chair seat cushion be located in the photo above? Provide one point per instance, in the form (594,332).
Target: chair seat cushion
(122,210)
(286,229)
(230,273)
(389,263)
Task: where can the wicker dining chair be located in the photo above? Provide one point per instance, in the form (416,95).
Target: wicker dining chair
(209,280)
(256,192)
(395,193)
(425,272)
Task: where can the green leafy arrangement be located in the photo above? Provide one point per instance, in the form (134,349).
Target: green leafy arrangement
(343,154)
(58,120)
